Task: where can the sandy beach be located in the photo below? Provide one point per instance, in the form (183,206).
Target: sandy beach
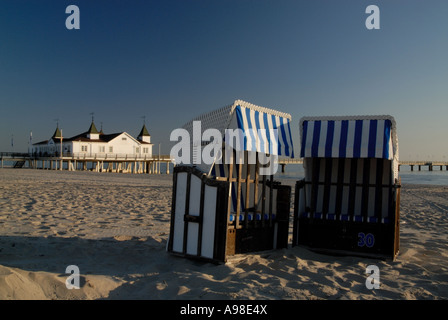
(114,227)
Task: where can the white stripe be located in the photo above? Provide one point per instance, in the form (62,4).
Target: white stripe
(262,133)
(255,143)
(322,139)
(246,128)
(273,148)
(280,136)
(350,139)
(379,140)
(391,149)
(336,139)
(309,139)
(365,139)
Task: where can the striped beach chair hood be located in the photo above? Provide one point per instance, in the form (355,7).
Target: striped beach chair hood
(350,137)
(249,118)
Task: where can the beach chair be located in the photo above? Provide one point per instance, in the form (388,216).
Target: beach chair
(232,204)
(348,202)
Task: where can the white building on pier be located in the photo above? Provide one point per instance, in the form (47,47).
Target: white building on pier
(94,143)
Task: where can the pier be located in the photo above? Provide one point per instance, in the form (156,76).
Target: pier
(284,161)
(420,164)
(94,162)
(141,164)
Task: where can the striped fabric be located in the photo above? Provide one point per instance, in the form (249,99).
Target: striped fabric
(349,138)
(256,126)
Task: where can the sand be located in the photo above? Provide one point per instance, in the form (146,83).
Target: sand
(114,227)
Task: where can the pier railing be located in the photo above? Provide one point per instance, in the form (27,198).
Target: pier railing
(85,156)
(115,156)
(110,157)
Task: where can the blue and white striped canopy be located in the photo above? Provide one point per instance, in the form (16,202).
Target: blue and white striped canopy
(257,126)
(350,137)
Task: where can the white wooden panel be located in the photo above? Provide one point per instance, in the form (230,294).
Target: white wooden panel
(195,196)
(192,238)
(208,226)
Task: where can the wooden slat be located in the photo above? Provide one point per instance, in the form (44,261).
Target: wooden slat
(352,190)
(263,200)
(229,199)
(299,185)
(238,195)
(314,185)
(187,212)
(256,182)
(365,188)
(201,218)
(379,190)
(327,186)
(248,182)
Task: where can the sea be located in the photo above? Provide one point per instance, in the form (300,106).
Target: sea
(425,177)
(296,172)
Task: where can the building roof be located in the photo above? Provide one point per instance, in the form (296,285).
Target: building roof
(41,142)
(144,132)
(57,134)
(102,137)
(92,129)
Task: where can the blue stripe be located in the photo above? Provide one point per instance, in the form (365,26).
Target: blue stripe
(236,191)
(290,141)
(387,127)
(358,139)
(268,135)
(316,138)
(343,141)
(274,124)
(304,132)
(240,122)
(282,129)
(372,138)
(329,141)
(252,134)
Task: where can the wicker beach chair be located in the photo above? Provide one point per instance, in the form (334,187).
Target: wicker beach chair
(348,202)
(228,207)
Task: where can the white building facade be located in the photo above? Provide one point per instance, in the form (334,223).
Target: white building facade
(93,143)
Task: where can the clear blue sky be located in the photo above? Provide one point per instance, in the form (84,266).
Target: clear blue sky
(173,60)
